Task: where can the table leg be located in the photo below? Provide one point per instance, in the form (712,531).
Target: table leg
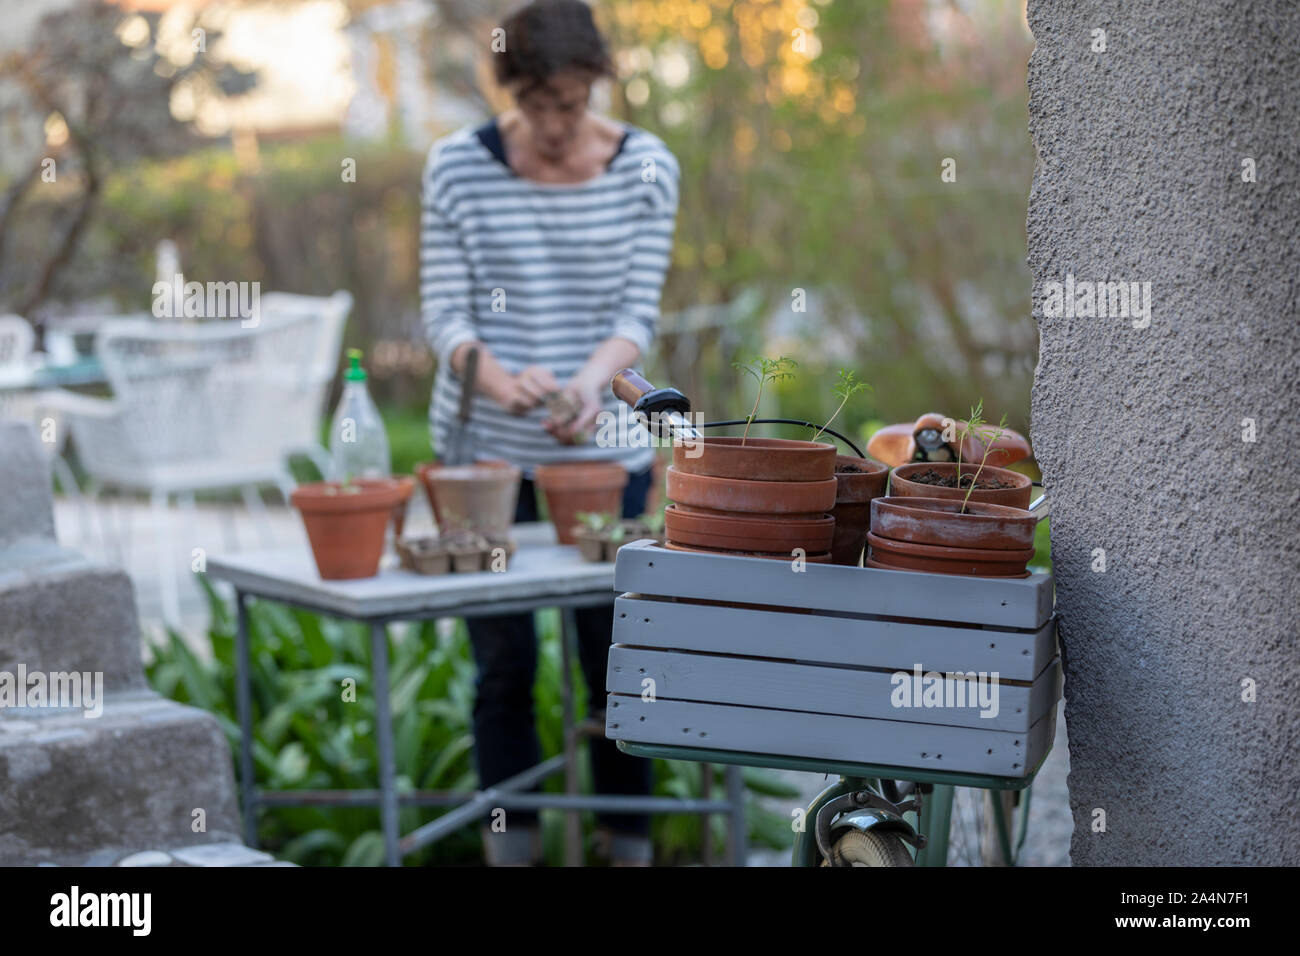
(739,849)
(572,821)
(244,706)
(384,733)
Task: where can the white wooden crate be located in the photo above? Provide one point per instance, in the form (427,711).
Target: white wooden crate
(750,655)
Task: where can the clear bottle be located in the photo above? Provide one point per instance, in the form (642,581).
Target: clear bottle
(358,442)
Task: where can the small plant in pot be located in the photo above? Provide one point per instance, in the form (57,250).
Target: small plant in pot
(346,522)
(600,535)
(962,480)
(953,534)
(857,482)
(752,495)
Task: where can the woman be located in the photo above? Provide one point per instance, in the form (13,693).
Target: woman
(546,234)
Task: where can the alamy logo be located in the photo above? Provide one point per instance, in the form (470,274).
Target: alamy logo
(77,690)
(208,300)
(133,910)
(958,689)
(1098,300)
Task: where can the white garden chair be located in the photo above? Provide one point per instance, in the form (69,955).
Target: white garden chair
(198,407)
(304,415)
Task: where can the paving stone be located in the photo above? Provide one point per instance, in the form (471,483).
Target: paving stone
(146,858)
(221,854)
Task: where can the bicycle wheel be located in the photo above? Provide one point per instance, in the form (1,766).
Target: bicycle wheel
(869,848)
(973,833)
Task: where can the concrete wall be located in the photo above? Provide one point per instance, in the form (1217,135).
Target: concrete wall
(1139,431)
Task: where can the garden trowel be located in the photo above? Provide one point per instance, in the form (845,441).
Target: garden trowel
(460,449)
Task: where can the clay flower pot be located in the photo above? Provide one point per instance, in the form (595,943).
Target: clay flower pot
(858,481)
(932,534)
(746,532)
(938,521)
(480,497)
(759,459)
(346,522)
(823,558)
(1012,489)
(572,488)
(935,559)
(807,498)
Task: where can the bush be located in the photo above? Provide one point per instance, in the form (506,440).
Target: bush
(306,737)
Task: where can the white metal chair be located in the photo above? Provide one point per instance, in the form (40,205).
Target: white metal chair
(303,415)
(197,407)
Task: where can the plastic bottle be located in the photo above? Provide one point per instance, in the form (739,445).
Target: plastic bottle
(358,442)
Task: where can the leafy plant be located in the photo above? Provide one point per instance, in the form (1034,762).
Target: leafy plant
(976,426)
(844,389)
(763,370)
(596,521)
(306,735)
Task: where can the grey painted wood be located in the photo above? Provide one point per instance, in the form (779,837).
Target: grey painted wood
(829,737)
(820,638)
(851,692)
(536,573)
(645,568)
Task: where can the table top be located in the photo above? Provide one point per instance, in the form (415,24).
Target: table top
(85,371)
(541,574)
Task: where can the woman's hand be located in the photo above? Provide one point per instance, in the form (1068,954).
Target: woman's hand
(585,396)
(521,393)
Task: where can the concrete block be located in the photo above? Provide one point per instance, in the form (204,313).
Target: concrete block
(26,492)
(71,617)
(125,782)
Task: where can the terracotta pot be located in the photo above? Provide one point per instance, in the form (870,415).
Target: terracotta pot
(808,498)
(854,492)
(346,529)
(480,497)
(759,459)
(937,521)
(1015,494)
(747,532)
(823,558)
(976,562)
(572,488)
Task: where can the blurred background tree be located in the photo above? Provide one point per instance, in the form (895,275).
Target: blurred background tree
(89,95)
(854,184)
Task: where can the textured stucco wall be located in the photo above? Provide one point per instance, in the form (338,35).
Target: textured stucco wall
(1139,431)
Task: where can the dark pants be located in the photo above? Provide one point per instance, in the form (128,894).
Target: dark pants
(505,650)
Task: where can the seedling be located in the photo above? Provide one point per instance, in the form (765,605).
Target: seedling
(844,389)
(987,434)
(595,521)
(764,370)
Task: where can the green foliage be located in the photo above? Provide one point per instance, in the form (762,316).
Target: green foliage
(845,388)
(307,735)
(976,426)
(763,371)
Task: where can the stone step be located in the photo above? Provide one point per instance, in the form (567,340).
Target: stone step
(127,781)
(59,612)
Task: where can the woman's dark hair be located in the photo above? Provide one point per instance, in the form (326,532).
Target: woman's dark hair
(546,37)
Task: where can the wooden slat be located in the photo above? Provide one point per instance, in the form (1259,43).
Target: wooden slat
(825,737)
(820,638)
(1024,603)
(782,685)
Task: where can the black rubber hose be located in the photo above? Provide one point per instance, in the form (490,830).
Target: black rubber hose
(787,421)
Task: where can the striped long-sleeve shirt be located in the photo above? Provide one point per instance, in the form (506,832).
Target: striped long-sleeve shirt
(541,274)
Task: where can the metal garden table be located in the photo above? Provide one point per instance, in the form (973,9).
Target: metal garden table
(541,574)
